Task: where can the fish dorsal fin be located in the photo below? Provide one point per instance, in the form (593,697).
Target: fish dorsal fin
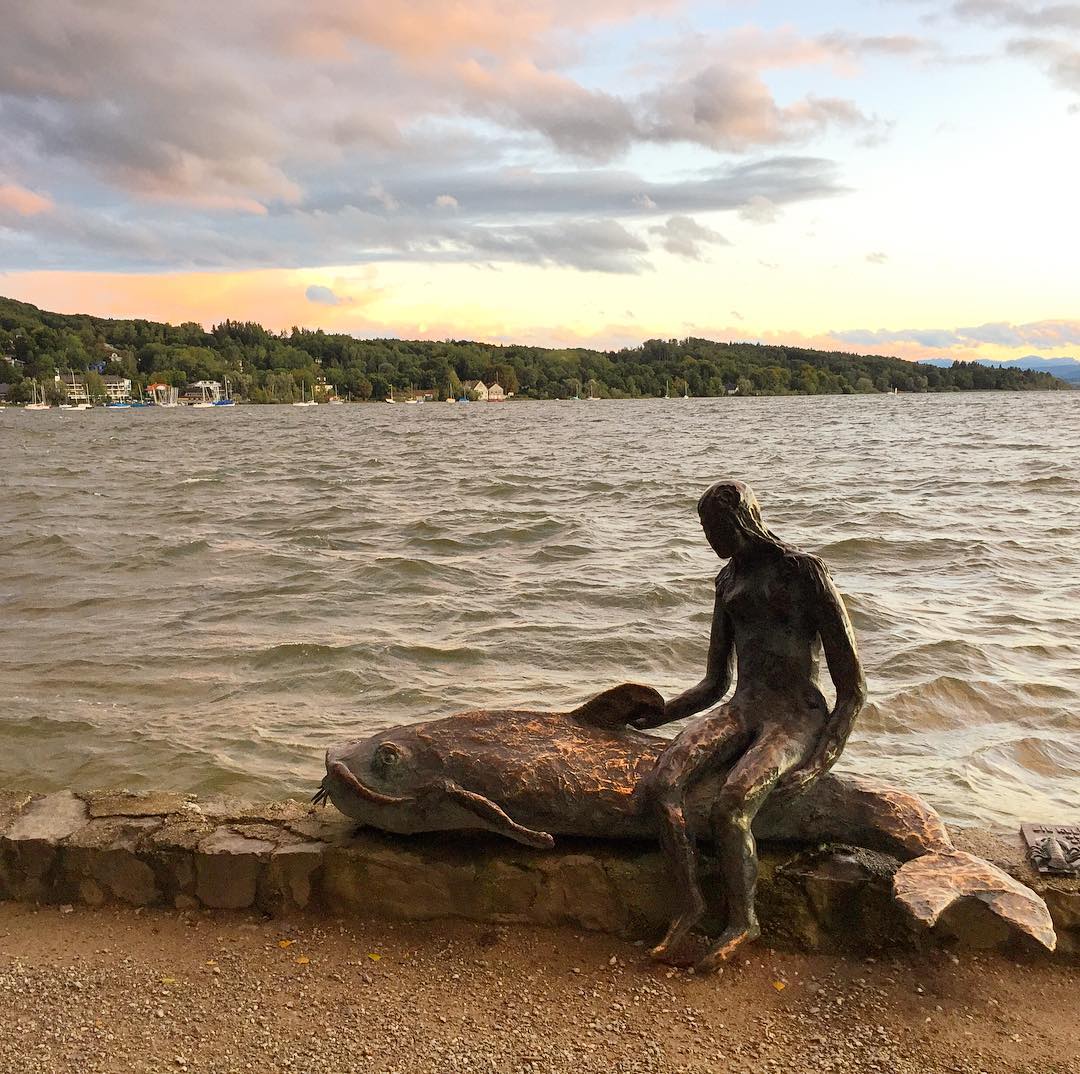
(619,705)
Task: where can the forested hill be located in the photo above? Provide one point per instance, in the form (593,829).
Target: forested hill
(265,366)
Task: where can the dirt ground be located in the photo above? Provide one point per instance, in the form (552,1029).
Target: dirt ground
(86,991)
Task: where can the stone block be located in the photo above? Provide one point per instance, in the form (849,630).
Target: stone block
(578,891)
(505,891)
(28,850)
(103,859)
(49,819)
(376,881)
(227,869)
(139,804)
(12,803)
(289,879)
(835,898)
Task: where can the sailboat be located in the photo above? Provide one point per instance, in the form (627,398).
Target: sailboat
(164,395)
(228,400)
(304,400)
(76,390)
(35,405)
(206,401)
(592,396)
(390,397)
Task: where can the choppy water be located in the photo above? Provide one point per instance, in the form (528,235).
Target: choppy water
(203,600)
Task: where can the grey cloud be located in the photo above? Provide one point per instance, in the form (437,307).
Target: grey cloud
(754,185)
(1061,62)
(1012,13)
(728,108)
(1051,40)
(589,245)
(92,240)
(928,337)
(1041,334)
(759,209)
(324,296)
(882,44)
(239,107)
(685,237)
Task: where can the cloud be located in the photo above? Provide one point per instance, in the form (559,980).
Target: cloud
(685,237)
(1060,61)
(380,194)
(731,108)
(885,44)
(1012,13)
(759,209)
(876,257)
(1048,33)
(523,214)
(445,201)
(1043,335)
(324,296)
(18,200)
(589,245)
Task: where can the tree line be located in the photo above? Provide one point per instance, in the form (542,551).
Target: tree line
(277,367)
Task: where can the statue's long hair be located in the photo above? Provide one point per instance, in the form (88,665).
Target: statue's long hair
(736,501)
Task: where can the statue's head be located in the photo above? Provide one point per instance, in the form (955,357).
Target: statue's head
(731,518)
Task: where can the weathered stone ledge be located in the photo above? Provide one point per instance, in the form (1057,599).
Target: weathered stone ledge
(188,853)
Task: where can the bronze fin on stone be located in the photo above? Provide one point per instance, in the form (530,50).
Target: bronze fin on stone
(930,885)
(620,705)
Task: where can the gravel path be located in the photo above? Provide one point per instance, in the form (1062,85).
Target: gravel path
(90,991)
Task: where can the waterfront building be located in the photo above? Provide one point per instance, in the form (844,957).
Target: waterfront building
(118,389)
(496,393)
(479,389)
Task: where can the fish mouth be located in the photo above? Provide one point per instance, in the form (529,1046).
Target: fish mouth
(341,771)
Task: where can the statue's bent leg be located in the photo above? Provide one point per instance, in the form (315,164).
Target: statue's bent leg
(779,749)
(707,744)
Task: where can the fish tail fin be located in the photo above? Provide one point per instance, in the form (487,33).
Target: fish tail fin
(929,886)
(619,705)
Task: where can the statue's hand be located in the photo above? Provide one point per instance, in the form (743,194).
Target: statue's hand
(817,764)
(654,717)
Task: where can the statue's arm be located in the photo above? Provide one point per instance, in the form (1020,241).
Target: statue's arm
(842,658)
(718,669)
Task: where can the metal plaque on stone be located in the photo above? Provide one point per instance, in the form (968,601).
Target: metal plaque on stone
(1053,848)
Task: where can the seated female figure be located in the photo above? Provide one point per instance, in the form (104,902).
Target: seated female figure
(775,609)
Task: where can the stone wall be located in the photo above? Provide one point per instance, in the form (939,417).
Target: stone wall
(188,853)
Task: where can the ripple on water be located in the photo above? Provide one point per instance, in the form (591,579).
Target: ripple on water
(205,604)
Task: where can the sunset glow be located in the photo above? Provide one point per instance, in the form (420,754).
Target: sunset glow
(894,178)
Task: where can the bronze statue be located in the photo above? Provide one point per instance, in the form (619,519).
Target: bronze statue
(527,775)
(776,609)
(755,766)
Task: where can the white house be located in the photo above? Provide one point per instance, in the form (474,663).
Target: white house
(117,388)
(496,393)
(479,389)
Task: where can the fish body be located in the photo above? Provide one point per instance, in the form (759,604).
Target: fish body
(532,775)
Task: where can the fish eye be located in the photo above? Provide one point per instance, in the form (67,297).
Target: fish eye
(386,755)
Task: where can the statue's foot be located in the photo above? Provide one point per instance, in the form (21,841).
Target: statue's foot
(667,949)
(727,945)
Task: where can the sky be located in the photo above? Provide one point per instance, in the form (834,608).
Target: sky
(885,176)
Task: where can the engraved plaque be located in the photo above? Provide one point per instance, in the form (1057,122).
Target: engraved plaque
(1054,848)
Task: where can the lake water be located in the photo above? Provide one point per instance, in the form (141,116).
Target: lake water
(202,600)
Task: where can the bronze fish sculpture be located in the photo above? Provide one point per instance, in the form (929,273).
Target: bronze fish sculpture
(532,775)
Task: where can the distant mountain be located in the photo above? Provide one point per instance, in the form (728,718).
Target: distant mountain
(1066,368)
